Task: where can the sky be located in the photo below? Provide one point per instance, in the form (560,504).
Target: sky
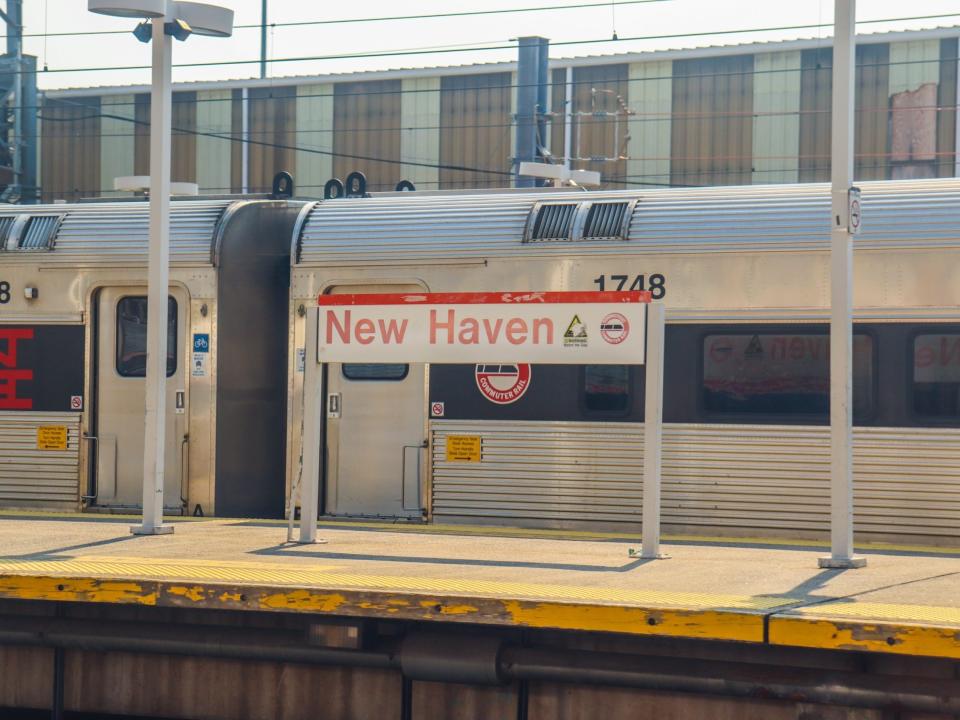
(635,24)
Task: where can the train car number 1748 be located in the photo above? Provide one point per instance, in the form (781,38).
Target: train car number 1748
(657,288)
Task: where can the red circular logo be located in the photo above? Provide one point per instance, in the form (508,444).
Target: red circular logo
(614,328)
(503,384)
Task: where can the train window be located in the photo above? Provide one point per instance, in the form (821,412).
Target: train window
(936,375)
(375,371)
(132,337)
(780,373)
(606,389)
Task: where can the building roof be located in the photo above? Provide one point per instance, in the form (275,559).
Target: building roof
(935,33)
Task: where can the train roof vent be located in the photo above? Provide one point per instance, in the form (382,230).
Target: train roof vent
(551,221)
(6,224)
(607,221)
(38,235)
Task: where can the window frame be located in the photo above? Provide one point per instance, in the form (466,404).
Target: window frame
(748,418)
(176,334)
(913,417)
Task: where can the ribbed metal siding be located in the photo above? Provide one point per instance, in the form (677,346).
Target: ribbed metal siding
(920,213)
(768,479)
(541,471)
(118,232)
(30,477)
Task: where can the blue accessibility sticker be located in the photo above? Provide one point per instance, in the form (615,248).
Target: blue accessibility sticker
(201,342)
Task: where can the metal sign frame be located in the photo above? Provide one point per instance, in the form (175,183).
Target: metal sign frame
(651,355)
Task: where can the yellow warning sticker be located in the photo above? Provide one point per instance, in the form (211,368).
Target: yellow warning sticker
(463,448)
(52,437)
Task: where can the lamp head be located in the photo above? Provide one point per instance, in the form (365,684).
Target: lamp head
(179,29)
(143,31)
(129,8)
(203,19)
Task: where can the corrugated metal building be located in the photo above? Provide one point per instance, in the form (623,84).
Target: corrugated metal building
(711,116)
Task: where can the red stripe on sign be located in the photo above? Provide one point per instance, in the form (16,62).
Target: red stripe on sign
(503,298)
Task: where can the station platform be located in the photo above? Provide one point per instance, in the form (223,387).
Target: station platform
(906,601)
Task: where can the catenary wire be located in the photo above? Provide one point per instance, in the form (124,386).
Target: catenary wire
(393,18)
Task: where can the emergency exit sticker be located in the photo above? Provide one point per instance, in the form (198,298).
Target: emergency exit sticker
(52,437)
(463,448)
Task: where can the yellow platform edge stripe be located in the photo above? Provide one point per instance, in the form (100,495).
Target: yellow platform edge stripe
(785,626)
(702,624)
(873,636)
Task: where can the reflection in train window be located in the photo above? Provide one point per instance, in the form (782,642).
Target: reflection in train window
(132,337)
(375,371)
(606,389)
(936,375)
(780,373)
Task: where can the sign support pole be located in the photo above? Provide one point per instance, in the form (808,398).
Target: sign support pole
(843,224)
(653,431)
(313,409)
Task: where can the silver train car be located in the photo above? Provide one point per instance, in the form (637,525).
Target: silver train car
(745,276)
(73,352)
(744,273)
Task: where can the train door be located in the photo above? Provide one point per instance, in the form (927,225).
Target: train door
(120,393)
(375,432)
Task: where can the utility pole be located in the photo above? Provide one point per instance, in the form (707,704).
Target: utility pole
(844,222)
(20,90)
(263,38)
(534,53)
(15,52)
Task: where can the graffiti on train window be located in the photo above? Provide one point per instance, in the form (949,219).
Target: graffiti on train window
(776,373)
(936,375)
(657,283)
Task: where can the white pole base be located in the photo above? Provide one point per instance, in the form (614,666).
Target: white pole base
(634,553)
(842,563)
(156,530)
(314,541)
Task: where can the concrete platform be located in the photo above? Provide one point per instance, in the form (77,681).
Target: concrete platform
(906,601)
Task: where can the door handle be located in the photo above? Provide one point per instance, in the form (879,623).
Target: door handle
(333,405)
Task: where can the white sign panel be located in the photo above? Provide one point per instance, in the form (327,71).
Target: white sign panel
(548,327)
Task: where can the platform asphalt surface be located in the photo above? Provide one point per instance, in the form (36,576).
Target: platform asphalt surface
(907,600)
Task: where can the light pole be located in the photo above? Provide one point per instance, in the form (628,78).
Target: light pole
(845,222)
(163,21)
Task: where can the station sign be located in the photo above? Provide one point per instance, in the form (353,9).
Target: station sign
(505,327)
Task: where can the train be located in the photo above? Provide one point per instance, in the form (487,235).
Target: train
(744,274)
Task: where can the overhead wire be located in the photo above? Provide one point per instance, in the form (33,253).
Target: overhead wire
(390,18)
